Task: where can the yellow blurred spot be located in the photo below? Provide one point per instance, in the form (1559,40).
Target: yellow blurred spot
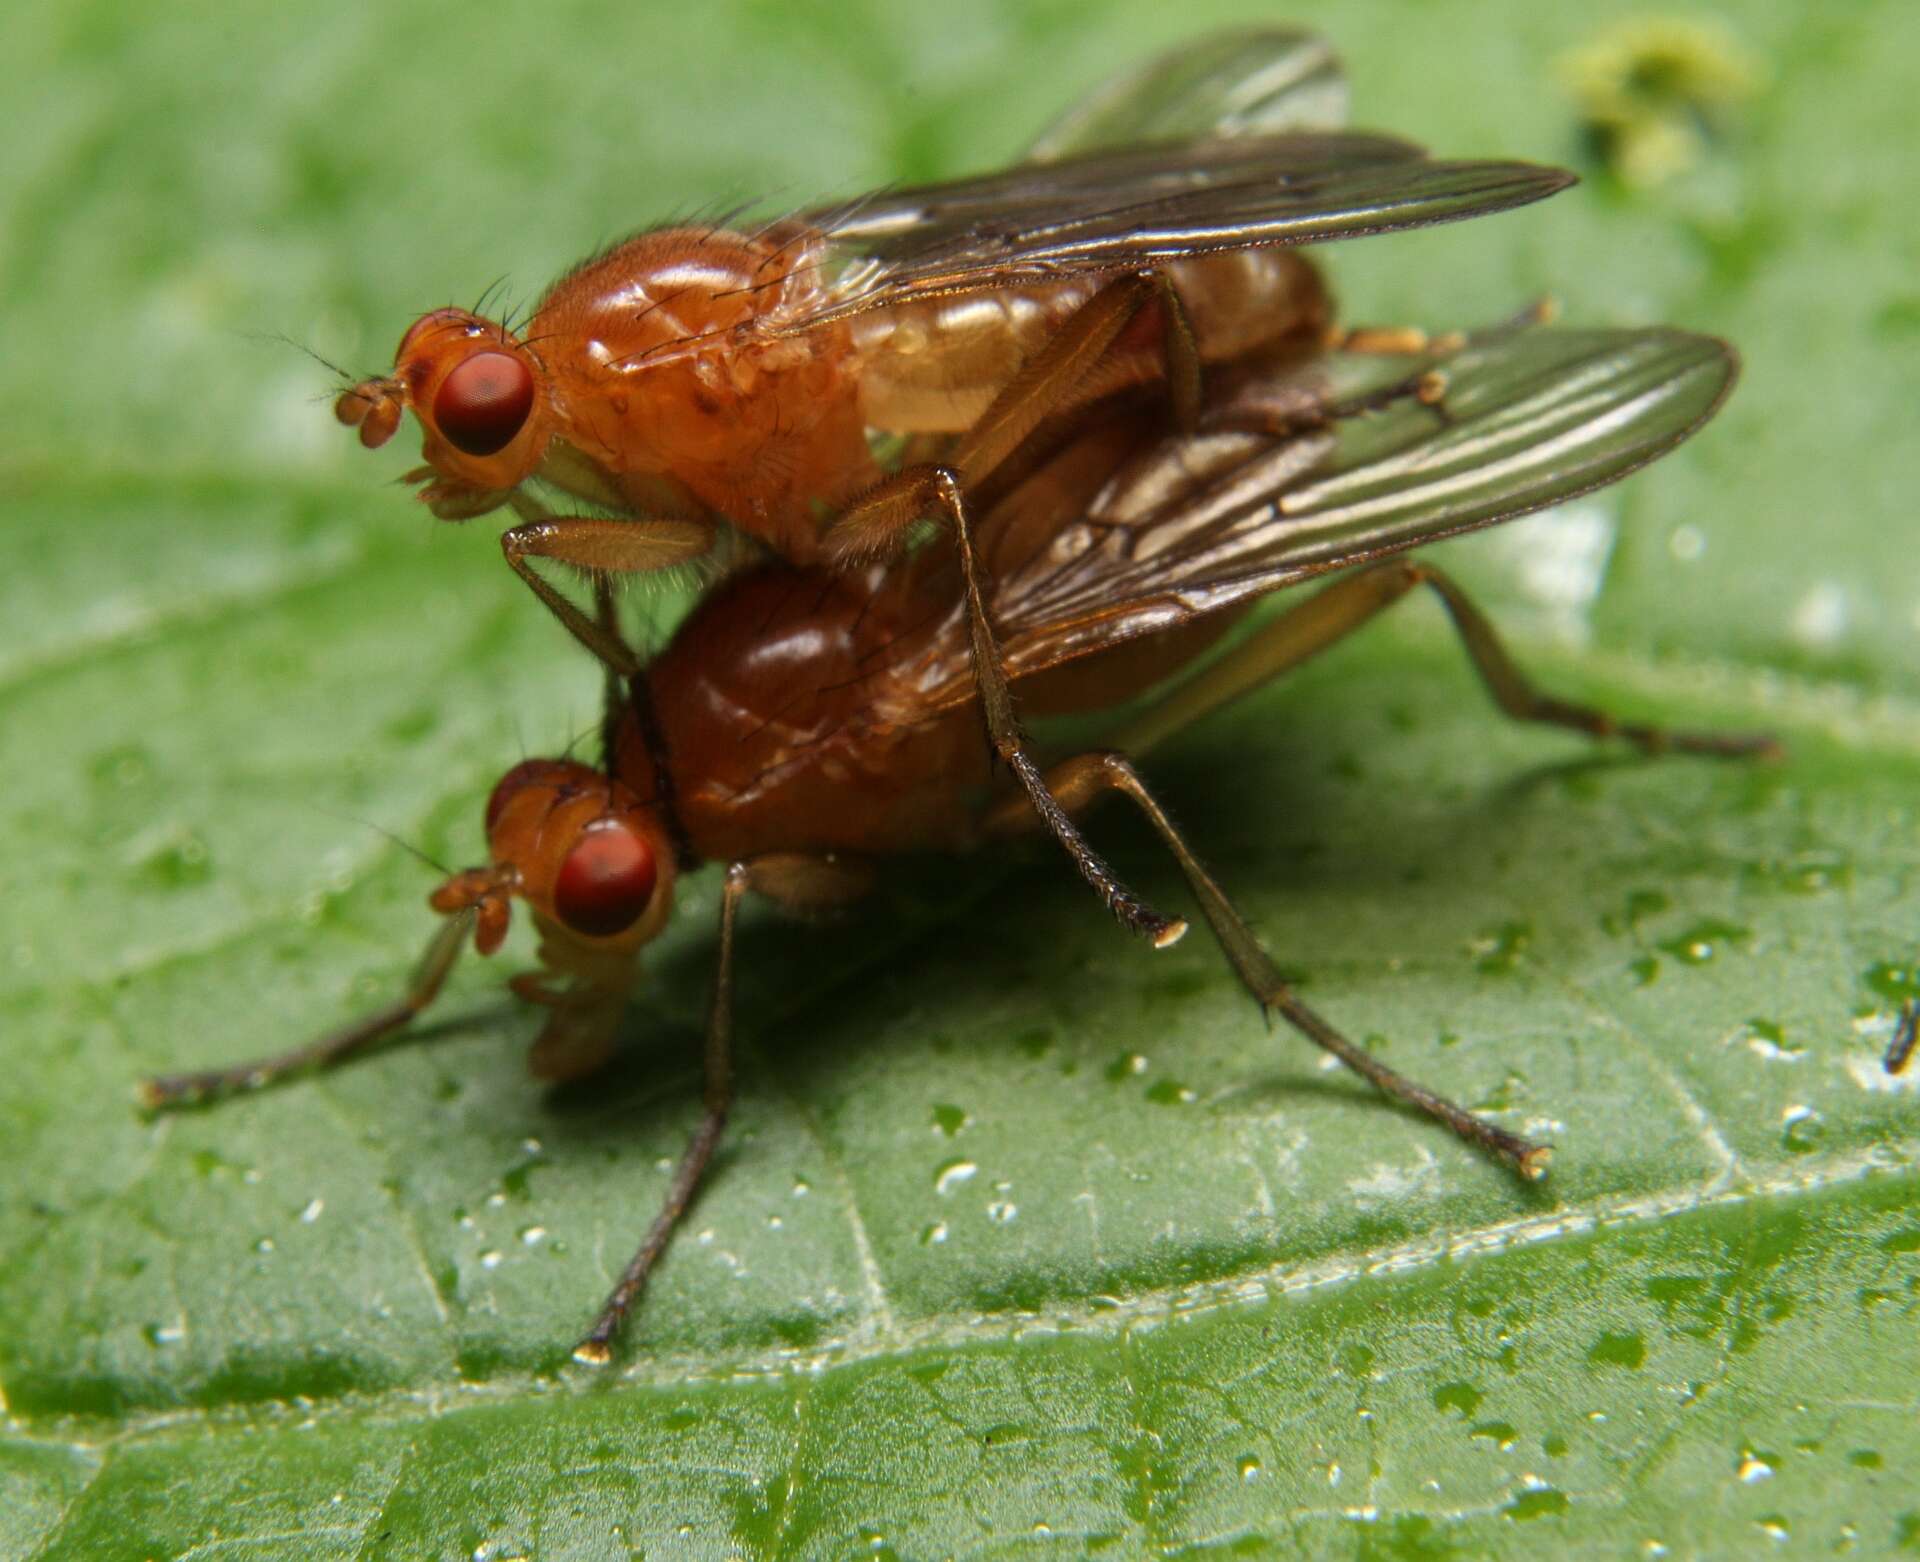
(1653,91)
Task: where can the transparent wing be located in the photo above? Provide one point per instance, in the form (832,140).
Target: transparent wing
(1530,418)
(1138,207)
(1253,81)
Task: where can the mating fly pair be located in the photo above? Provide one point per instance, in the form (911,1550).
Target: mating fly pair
(1114,382)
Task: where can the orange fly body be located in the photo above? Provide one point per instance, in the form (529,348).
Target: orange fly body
(822,383)
(804,724)
(1112,376)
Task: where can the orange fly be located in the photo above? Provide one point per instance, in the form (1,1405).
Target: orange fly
(823,382)
(804,723)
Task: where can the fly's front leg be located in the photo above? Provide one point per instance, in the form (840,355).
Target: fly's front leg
(1078,782)
(595,1349)
(586,989)
(614,686)
(799,882)
(172,1090)
(599,548)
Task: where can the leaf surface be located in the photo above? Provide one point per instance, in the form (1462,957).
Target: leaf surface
(1025,1242)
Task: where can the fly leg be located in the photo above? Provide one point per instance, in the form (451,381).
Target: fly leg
(1292,408)
(801,883)
(599,548)
(877,522)
(1294,411)
(1403,341)
(171,1090)
(1351,602)
(1392,341)
(613,685)
(1317,623)
(1906,1031)
(1079,781)
(594,1350)
(1010,743)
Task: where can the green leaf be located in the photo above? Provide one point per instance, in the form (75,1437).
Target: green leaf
(1025,1241)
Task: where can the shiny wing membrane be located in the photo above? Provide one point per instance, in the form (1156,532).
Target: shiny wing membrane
(1138,207)
(1531,418)
(1239,83)
(1230,142)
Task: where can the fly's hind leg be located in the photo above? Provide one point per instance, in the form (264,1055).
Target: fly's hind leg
(1317,623)
(1353,601)
(878,521)
(1078,782)
(799,882)
(1393,341)
(1403,341)
(1010,743)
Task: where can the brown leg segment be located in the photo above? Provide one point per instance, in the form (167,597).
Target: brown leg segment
(613,687)
(1046,383)
(595,1349)
(1906,1031)
(939,487)
(1077,782)
(1291,415)
(1400,341)
(1395,341)
(171,1090)
(599,548)
(1352,601)
(877,522)
(789,879)
(793,880)
(1182,350)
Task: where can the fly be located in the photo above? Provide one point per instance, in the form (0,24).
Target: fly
(824,382)
(805,723)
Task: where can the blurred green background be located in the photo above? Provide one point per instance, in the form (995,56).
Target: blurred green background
(1025,1244)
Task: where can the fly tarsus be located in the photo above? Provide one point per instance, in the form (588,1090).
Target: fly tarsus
(1906,1031)
(1077,782)
(1129,909)
(165,1092)
(596,1347)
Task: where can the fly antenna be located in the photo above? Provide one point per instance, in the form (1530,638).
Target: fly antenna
(401,841)
(282,339)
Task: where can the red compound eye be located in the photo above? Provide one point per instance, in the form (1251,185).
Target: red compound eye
(483,403)
(606,882)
